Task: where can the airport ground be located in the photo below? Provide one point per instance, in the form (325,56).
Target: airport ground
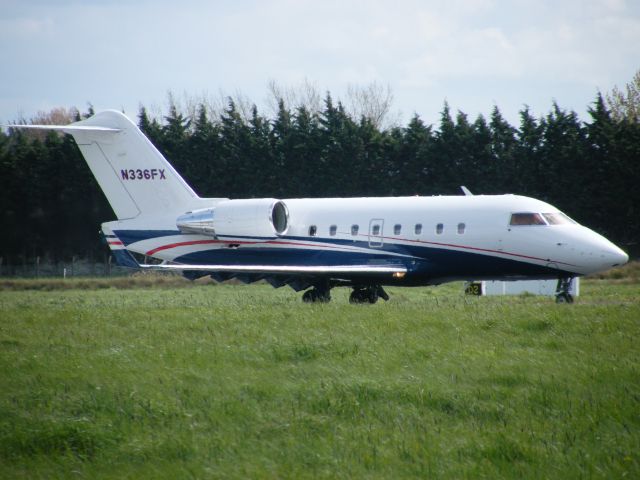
(152,377)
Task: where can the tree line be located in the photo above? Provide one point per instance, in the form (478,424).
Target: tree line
(51,206)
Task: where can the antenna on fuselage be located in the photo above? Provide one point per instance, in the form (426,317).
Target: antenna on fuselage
(466,191)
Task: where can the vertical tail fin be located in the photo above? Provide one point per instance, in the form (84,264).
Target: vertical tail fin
(133,174)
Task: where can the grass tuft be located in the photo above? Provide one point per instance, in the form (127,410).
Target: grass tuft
(53,439)
(626,274)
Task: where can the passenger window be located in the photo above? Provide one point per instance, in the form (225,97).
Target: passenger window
(375,230)
(397,229)
(354,229)
(418,229)
(519,219)
(313,230)
(461,227)
(439,228)
(332,230)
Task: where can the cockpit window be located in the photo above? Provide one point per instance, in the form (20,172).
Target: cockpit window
(518,219)
(558,218)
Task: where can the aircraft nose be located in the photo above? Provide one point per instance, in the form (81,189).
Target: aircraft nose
(599,254)
(610,256)
(617,256)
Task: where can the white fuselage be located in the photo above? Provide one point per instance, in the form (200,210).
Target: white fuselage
(438,238)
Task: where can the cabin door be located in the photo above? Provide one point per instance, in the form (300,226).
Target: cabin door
(376,227)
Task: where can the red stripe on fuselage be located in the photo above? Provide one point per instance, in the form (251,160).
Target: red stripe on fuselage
(182,244)
(241,242)
(334,247)
(478,249)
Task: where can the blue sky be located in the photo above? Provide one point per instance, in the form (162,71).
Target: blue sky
(473,53)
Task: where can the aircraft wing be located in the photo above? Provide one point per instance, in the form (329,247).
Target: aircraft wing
(126,259)
(396,270)
(297,277)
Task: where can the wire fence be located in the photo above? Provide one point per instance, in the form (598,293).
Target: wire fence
(39,267)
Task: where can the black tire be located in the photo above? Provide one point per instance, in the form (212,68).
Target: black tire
(315,296)
(372,296)
(564,298)
(309,296)
(365,295)
(355,297)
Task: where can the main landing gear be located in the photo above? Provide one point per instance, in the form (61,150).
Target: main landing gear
(320,295)
(360,294)
(563,290)
(368,294)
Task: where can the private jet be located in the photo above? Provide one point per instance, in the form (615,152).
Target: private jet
(316,244)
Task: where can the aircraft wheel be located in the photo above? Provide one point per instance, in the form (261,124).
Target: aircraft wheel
(372,296)
(562,290)
(364,295)
(309,296)
(314,295)
(357,296)
(564,298)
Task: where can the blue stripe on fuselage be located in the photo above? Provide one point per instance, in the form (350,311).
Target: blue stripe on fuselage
(435,263)
(422,261)
(127,237)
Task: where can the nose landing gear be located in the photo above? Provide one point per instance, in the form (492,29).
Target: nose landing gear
(563,290)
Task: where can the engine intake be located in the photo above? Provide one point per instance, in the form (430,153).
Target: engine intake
(259,217)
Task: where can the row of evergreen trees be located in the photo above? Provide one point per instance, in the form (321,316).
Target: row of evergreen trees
(51,206)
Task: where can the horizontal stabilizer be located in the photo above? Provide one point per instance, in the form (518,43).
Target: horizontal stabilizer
(67,128)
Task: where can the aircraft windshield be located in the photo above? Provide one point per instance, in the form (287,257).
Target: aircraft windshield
(558,218)
(527,218)
(518,219)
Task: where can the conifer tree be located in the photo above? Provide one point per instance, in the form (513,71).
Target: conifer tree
(503,144)
(203,151)
(413,168)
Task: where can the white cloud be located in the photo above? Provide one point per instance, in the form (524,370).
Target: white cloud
(116,53)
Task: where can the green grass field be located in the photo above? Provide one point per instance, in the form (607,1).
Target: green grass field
(248,382)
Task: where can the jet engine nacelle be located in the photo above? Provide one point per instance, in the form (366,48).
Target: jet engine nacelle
(255,217)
